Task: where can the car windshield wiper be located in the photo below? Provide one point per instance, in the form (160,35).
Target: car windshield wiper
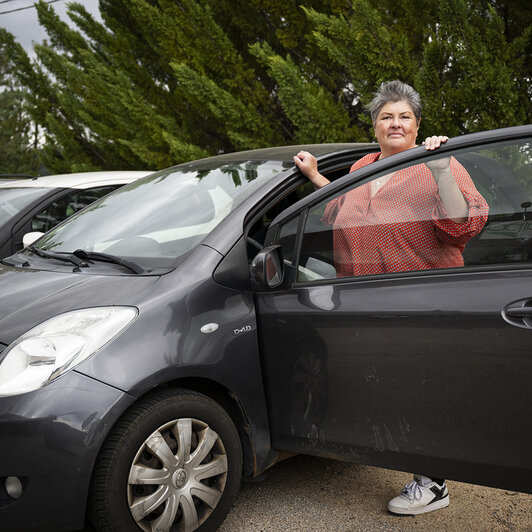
(77,261)
(95,255)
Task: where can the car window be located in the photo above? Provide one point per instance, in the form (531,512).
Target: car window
(287,239)
(14,200)
(258,231)
(66,206)
(398,222)
(160,219)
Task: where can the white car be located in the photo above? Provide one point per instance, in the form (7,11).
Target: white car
(30,207)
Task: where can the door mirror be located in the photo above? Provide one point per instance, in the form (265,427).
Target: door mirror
(30,238)
(267,267)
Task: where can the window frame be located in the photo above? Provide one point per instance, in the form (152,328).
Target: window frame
(367,174)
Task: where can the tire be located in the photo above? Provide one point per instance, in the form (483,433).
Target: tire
(173,462)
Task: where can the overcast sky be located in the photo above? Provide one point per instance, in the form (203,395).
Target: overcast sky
(22,21)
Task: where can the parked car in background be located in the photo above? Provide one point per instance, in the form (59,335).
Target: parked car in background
(4,178)
(190,328)
(35,205)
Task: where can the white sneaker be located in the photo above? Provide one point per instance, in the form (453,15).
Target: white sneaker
(418,497)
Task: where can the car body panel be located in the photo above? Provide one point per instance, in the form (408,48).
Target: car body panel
(174,311)
(413,372)
(44,294)
(53,450)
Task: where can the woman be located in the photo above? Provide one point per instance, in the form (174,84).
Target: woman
(417,218)
(440,211)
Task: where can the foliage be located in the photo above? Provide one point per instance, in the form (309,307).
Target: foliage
(470,70)
(18,154)
(165,81)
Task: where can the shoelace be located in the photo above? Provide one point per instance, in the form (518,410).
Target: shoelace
(413,490)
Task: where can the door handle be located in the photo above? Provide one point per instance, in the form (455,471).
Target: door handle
(519,313)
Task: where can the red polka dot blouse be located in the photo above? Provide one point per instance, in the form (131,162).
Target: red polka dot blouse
(404,226)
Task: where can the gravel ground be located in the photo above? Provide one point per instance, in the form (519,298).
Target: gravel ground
(308,494)
(315,494)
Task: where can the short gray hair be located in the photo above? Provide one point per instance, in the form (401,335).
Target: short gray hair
(394,91)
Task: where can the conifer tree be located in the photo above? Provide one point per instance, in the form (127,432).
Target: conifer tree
(472,77)
(18,153)
(470,74)
(165,81)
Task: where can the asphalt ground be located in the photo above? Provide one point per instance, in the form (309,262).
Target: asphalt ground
(308,494)
(315,494)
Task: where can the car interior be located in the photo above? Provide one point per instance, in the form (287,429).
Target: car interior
(256,235)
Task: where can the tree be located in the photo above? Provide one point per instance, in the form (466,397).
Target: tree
(469,68)
(364,47)
(475,76)
(17,135)
(165,81)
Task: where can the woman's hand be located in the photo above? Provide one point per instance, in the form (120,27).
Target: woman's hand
(431,143)
(308,165)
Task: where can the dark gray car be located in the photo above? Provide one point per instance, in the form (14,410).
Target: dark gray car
(190,328)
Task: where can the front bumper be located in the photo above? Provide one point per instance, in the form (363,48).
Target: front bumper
(49,440)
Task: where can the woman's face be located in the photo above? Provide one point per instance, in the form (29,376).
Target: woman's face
(396,128)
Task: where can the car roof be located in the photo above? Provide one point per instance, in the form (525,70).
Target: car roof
(7,178)
(286,153)
(85,180)
(81,180)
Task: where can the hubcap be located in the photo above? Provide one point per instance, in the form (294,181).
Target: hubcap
(177,477)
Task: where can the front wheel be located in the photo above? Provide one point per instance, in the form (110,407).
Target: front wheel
(172,463)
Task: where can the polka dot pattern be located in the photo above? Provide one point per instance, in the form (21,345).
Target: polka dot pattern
(404,226)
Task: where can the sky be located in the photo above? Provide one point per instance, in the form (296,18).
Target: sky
(23,23)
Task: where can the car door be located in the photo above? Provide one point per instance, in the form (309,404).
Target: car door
(423,370)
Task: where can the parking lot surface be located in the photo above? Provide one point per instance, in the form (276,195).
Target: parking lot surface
(308,494)
(315,494)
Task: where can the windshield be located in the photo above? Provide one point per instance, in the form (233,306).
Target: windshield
(159,219)
(14,200)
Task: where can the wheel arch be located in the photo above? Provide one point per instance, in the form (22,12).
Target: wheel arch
(229,402)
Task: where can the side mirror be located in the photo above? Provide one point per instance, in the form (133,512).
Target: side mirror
(267,267)
(30,238)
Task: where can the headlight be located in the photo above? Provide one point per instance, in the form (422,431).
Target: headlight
(57,345)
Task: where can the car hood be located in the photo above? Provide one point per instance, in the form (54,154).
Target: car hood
(29,297)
